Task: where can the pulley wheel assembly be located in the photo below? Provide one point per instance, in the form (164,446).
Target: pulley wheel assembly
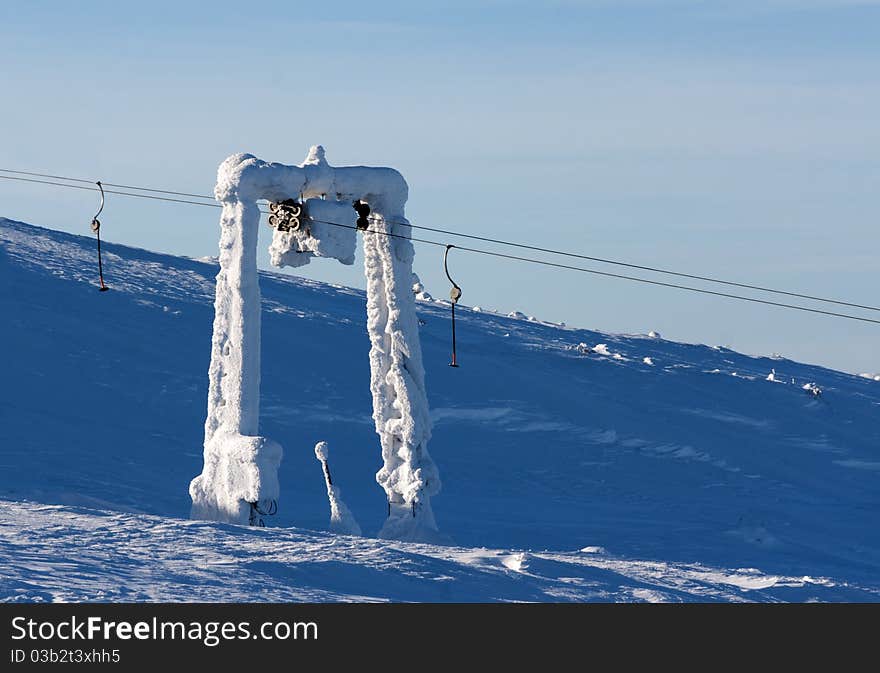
(285,215)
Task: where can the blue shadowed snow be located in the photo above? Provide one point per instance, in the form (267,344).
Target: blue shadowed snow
(690,478)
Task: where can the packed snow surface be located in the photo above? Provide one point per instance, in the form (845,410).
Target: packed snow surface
(568,474)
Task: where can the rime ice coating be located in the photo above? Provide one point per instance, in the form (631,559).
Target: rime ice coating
(241,465)
(328,231)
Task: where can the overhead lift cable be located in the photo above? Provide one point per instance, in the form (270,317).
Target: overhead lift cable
(652,269)
(530,259)
(608,274)
(110,191)
(476,237)
(106,184)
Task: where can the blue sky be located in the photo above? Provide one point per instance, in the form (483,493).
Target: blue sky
(737,139)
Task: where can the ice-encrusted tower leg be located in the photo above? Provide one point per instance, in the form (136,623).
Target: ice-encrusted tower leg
(240,466)
(397,382)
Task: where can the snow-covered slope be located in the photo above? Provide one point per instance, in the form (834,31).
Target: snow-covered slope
(641,470)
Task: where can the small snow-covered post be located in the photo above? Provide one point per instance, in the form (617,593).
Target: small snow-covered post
(240,467)
(341,518)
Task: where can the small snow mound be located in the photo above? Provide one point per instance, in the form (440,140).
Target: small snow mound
(317,155)
(649,596)
(654,335)
(648,361)
(516,562)
(812,389)
(418,289)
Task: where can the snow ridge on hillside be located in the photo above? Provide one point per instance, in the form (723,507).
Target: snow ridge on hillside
(577,465)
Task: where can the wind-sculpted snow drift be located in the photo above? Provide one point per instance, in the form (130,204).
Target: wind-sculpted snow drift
(569,473)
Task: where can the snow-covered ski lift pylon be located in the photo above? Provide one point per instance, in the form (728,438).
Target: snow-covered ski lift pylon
(241,467)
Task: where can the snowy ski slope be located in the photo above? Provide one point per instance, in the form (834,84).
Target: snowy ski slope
(641,470)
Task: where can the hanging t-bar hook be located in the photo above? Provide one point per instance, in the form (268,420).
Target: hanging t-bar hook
(454,296)
(96,227)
